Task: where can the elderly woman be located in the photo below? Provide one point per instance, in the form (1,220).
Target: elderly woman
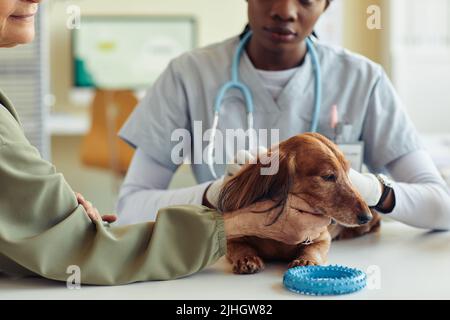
(45,227)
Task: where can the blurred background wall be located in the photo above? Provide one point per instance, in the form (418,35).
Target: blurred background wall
(217,20)
(370,43)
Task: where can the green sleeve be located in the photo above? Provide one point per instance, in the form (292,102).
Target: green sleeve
(44,230)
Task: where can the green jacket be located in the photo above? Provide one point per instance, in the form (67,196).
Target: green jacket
(43,230)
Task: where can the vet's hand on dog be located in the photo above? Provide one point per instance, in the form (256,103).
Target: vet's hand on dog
(293,226)
(243,157)
(92,212)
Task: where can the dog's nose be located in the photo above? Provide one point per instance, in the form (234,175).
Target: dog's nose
(364,218)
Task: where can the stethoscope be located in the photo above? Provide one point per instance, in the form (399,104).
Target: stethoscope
(235,83)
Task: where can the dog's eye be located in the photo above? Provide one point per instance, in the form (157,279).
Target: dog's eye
(329,178)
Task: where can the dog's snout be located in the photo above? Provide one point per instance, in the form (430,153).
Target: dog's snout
(364,218)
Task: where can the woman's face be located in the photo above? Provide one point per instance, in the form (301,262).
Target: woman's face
(279,25)
(17,21)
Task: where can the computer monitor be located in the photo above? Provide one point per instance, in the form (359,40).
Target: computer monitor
(129,52)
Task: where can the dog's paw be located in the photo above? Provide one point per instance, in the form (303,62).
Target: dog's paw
(302,262)
(248,265)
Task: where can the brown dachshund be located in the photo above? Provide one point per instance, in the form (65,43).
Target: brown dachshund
(313,171)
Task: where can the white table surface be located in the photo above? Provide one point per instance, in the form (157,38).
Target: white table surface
(414,264)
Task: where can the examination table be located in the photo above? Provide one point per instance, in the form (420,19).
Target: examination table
(402,263)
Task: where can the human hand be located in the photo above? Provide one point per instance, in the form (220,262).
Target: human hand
(92,212)
(367,185)
(242,158)
(296,224)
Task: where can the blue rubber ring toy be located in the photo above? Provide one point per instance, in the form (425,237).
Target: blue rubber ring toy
(323,281)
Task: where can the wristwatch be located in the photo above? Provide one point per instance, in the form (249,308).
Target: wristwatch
(388,188)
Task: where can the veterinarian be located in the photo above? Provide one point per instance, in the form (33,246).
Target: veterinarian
(45,228)
(280,69)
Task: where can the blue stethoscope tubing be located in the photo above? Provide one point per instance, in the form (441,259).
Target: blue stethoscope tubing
(235,83)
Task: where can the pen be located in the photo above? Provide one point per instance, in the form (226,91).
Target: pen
(334,123)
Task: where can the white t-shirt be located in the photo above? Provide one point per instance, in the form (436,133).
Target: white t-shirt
(276,81)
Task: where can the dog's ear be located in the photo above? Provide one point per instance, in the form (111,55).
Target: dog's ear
(250,185)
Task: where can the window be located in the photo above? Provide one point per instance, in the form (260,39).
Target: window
(420,60)
(24,79)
